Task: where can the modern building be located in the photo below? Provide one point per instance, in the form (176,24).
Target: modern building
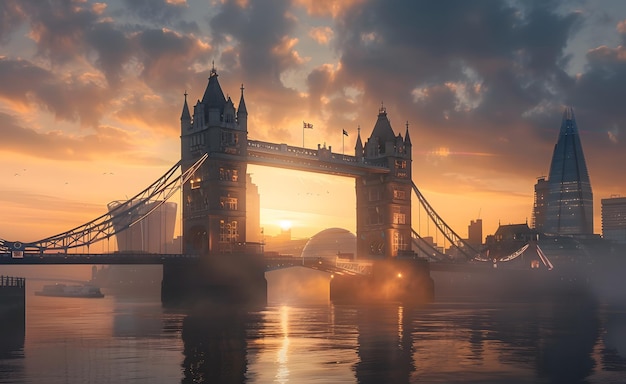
(569,199)
(614,219)
(153,234)
(540,204)
(330,244)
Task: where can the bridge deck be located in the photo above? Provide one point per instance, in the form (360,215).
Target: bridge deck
(89,258)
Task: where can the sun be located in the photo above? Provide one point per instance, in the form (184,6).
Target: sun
(285,225)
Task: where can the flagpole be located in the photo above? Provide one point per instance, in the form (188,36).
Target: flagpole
(343,144)
(303,126)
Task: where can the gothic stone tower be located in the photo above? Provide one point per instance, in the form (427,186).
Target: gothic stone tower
(384,201)
(214,201)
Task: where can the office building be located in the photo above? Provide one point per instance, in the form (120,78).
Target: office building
(614,219)
(569,202)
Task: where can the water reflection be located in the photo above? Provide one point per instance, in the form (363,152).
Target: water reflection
(385,345)
(215,346)
(12,333)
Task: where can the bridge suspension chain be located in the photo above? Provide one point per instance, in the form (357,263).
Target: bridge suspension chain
(467,250)
(121,217)
(432,253)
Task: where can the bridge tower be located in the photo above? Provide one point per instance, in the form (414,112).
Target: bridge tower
(383,201)
(214,202)
(214,207)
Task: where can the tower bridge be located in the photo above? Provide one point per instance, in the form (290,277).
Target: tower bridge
(215,152)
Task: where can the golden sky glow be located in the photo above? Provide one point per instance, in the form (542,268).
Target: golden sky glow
(92,93)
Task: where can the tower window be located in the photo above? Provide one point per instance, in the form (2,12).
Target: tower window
(399,194)
(229,174)
(229,233)
(230,203)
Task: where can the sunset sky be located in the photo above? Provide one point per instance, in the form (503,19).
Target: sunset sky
(91,96)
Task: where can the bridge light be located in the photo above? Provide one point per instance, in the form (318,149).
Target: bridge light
(332,276)
(399,275)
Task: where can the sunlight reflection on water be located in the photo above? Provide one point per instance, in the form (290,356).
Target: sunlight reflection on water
(133,339)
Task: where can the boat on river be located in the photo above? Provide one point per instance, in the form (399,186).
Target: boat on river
(63,290)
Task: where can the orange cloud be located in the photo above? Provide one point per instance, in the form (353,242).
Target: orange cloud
(328,7)
(322,35)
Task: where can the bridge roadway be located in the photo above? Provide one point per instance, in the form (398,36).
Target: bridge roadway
(127,258)
(91,258)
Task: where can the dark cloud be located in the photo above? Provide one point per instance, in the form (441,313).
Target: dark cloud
(72,97)
(167,57)
(261,31)
(58,27)
(11,15)
(113,48)
(463,72)
(106,141)
(156,11)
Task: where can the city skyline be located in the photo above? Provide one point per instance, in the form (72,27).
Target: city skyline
(92,94)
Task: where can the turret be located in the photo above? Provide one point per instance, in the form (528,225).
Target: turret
(407,142)
(185,117)
(229,112)
(358,149)
(242,113)
(213,100)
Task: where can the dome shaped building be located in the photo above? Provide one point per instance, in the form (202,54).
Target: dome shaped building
(330,243)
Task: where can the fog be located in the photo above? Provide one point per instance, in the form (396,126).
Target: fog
(297,284)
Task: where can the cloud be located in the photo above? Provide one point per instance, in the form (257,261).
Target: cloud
(58,145)
(11,16)
(71,96)
(157,11)
(321,35)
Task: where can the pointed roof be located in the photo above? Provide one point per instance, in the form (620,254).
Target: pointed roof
(383,129)
(213,95)
(185,115)
(242,104)
(359,144)
(407,138)
(568,160)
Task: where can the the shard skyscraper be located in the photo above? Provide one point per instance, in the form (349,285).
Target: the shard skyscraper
(569,197)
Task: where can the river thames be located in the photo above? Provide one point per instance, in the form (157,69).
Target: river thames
(131,338)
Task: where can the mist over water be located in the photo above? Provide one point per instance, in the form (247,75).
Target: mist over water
(301,337)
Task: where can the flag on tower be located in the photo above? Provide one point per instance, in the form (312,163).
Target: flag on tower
(307,125)
(345,132)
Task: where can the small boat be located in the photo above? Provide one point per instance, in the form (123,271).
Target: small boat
(63,290)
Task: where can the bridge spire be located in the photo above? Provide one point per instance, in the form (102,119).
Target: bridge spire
(358,149)
(185,117)
(407,137)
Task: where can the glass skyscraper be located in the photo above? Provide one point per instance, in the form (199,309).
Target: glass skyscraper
(569,200)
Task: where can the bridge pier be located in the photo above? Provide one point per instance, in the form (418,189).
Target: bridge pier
(237,278)
(401,280)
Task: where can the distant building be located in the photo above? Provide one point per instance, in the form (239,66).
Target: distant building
(253,214)
(153,234)
(540,204)
(614,219)
(331,243)
(569,208)
(475,233)
(283,244)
